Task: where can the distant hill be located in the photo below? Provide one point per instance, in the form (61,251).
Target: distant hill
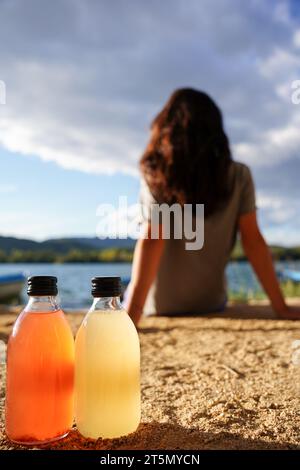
(97,243)
(63,245)
(92,249)
(9,243)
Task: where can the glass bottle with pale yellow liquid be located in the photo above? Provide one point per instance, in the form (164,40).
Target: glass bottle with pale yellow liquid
(107,366)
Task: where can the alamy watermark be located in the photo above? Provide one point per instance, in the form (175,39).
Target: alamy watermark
(176,221)
(2,92)
(295,96)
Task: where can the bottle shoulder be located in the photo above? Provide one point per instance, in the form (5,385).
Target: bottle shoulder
(115,321)
(31,322)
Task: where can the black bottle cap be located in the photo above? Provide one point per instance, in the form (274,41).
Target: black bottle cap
(42,285)
(106,286)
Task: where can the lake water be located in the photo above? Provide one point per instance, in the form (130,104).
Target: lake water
(74,279)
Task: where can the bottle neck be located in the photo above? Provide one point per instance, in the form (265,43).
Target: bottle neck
(106,303)
(42,303)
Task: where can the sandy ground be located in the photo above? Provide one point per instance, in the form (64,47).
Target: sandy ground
(221,382)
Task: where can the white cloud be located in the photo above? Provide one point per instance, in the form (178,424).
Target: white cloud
(278,217)
(26,224)
(283,235)
(280,64)
(81,92)
(297,38)
(84,79)
(279,209)
(272,145)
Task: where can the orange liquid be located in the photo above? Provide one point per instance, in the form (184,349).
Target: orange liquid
(40,368)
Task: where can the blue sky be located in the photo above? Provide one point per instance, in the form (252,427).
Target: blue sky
(43,200)
(84,79)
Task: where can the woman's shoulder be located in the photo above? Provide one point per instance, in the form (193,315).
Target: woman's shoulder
(241,171)
(244,189)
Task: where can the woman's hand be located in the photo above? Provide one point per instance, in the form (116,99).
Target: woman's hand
(260,258)
(135,314)
(134,311)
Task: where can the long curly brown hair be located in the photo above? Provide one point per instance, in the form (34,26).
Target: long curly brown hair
(188,156)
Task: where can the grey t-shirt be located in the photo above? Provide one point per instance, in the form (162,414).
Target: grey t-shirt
(193,282)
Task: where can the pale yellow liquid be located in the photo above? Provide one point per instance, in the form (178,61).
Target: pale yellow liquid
(107,375)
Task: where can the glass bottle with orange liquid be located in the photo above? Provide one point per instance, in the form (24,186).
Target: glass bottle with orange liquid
(40,369)
(107,366)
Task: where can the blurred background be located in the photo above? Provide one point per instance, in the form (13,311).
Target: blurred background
(83,81)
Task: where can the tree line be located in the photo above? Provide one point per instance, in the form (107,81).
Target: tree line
(114,255)
(109,255)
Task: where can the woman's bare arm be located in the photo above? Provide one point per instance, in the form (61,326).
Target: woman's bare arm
(260,258)
(146,260)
